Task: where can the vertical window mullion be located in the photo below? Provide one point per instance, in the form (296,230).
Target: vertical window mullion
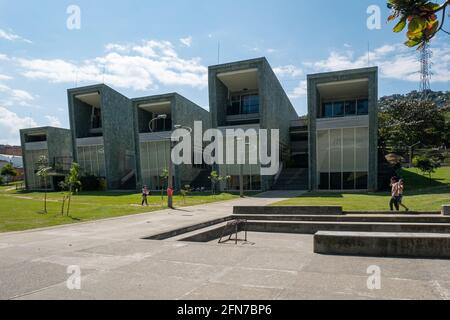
(342,159)
(354,158)
(329,158)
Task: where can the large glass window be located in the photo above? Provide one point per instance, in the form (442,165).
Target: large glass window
(154,160)
(343,159)
(32,158)
(347,108)
(92,160)
(243,104)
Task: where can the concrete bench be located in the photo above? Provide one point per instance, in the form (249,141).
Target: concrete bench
(417,245)
(446,210)
(295,210)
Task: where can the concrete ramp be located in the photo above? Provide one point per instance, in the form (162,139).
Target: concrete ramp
(377,244)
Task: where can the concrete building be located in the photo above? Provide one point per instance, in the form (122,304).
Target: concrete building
(101,121)
(248,95)
(127,141)
(155,119)
(343,130)
(53,143)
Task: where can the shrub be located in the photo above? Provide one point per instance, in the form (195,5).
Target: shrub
(426,165)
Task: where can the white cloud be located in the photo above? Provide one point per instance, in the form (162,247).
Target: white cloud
(288,70)
(139,67)
(4,77)
(299,91)
(395,62)
(12,97)
(10,124)
(53,121)
(186,41)
(271,50)
(3,57)
(12,37)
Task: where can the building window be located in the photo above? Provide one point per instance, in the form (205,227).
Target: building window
(363,107)
(347,108)
(350,108)
(96,122)
(343,159)
(327,110)
(338,109)
(243,104)
(92,160)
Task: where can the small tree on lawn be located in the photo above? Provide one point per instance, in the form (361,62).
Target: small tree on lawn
(43,172)
(1,180)
(73,182)
(185,192)
(426,165)
(215,179)
(8,171)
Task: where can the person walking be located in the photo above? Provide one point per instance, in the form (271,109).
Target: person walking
(145,194)
(401,190)
(394,195)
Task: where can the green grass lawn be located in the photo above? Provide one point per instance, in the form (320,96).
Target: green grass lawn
(24,210)
(421,195)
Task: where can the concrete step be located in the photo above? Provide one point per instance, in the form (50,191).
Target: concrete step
(415,245)
(312,227)
(285,210)
(349,218)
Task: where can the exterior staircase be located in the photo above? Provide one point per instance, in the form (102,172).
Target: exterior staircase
(202,180)
(292,179)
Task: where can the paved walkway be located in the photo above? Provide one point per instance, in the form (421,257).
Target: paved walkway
(117,264)
(37,259)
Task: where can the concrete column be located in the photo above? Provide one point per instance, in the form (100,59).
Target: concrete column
(446,210)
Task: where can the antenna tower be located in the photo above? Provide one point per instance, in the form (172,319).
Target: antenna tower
(425,67)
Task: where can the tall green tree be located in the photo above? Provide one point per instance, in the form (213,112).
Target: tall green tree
(404,122)
(8,171)
(43,173)
(423,19)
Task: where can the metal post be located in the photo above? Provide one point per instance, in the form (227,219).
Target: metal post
(241,180)
(170,179)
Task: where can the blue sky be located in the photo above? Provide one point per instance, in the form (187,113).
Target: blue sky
(143,47)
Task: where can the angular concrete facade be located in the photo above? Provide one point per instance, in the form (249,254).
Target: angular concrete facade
(53,143)
(333,148)
(332,99)
(248,95)
(153,137)
(101,120)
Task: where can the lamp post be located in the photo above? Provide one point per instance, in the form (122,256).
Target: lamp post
(241,168)
(170,164)
(411,153)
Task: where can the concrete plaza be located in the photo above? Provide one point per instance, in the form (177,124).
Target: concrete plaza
(117,264)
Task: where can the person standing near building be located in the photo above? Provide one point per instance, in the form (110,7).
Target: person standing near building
(145,194)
